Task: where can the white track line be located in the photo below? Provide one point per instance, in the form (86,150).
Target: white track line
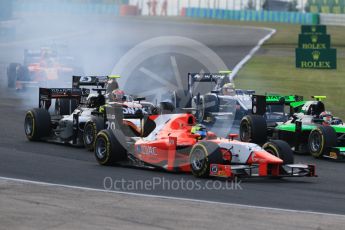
(251,53)
(170,197)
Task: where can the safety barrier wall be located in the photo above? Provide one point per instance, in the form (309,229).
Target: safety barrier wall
(65,7)
(248,15)
(332,19)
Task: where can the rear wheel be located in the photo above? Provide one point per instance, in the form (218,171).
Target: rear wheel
(37,124)
(321,139)
(280,149)
(253,128)
(23,73)
(109,147)
(12,75)
(202,156)
(199,105)
(182,99)
(91,129)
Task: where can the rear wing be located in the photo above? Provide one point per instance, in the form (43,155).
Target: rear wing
(205,77)
(98,81)
(260,102)
(244,92)
(282,99)
(47,94)
(319,98)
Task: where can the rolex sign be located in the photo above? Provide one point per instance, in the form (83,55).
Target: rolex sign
(316,58)
(314,49)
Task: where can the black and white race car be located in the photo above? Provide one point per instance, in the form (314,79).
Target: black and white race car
(61,126)
(221,102)
(80,127)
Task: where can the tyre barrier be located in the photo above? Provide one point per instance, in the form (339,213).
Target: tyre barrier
(250,15)
(65,7)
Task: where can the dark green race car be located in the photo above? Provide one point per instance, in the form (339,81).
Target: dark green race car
(310,128)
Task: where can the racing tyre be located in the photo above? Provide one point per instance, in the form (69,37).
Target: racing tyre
(200,109)
(12,75)
(109,148)
(65,106)
(166,107)
(37,124)
(321,139)
(202,156)
(280,149)
(182,99)
(23,73)
(91,129)
(253,128)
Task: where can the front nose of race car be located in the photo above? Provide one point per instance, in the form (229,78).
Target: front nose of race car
(262,156)
(268,164)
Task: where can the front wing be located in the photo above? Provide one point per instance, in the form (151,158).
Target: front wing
(262,170)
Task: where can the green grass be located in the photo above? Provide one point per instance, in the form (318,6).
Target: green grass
(272,69)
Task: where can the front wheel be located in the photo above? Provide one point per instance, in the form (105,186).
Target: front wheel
(280,149)
(110,147)
(321,139)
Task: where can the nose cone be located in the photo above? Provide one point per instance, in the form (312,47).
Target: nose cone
(261,156)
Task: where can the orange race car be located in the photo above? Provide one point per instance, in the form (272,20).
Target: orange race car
(40,68)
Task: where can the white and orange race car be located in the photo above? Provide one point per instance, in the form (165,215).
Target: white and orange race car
(176,143)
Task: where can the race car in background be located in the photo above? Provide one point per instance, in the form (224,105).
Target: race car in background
(41,68)
(225,102)
(310,128)
(222,102)
(176,143)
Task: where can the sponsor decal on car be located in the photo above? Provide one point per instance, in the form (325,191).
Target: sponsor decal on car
(333,155)
(133,110)
(146,150)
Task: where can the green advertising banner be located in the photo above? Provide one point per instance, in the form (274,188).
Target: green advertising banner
(326,6)
(314,41)
(316,29)
(316,58)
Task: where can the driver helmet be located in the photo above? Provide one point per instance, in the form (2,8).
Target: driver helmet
(199,129)
(112,85)
(118,95)
(229,89)
(326,116)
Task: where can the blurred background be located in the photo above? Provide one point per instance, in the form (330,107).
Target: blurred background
(99,32)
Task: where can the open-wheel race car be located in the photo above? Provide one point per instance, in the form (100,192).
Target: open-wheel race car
(177,143)
(309,129)
(79,112)
(230,104)
(41,125)
(42,68)
(221,102)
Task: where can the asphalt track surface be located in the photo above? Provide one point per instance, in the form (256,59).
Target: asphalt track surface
(61,164)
